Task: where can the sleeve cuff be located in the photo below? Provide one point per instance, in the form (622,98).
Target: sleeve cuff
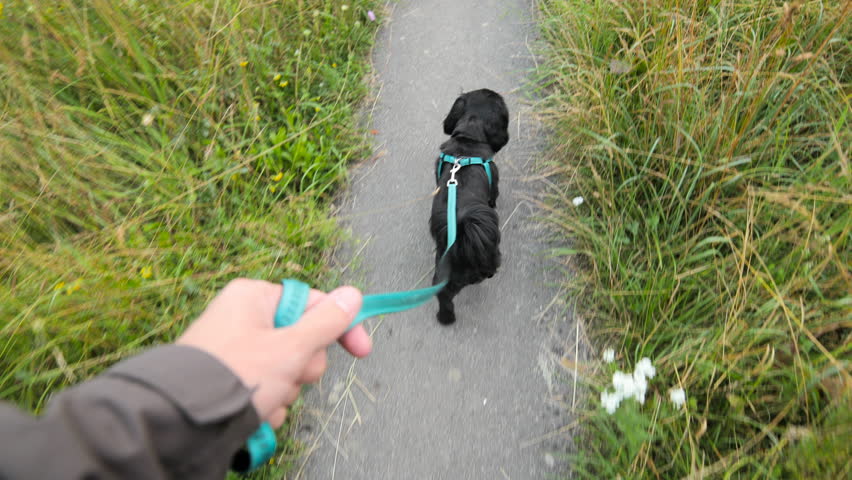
(201,386)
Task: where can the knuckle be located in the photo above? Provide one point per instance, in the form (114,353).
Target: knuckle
(319,368)
(244,285)
(292,395)
(238,284)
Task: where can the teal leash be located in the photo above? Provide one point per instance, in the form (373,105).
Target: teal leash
(262,444)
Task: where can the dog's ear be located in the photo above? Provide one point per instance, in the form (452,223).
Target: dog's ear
(497,125)
(453,117)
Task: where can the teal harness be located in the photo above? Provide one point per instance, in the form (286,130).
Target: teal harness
(262,444)
(464,161)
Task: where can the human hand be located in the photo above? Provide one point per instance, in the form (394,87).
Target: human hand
(237,328)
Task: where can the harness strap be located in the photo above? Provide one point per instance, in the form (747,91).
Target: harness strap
(465,161)
(261,445)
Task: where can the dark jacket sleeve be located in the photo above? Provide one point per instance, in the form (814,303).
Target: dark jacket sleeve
(171,412)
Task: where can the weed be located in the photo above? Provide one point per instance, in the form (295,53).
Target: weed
(153,151)
(709,141)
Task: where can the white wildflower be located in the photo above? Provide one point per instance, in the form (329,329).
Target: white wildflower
(645,368)
(627,385)
(147,119)
(609,355)
(677,396)
(577,201)
(344,7)
(610,401)
(640,385)
(624,385)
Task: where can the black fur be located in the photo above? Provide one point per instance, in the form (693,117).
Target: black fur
(478,124)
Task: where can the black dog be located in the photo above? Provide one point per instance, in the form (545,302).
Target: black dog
(478,124)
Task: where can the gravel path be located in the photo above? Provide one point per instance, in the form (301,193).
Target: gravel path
(479,399)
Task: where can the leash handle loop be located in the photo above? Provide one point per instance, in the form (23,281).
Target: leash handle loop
(262,444)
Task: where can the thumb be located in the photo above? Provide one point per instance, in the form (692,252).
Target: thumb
(328,320)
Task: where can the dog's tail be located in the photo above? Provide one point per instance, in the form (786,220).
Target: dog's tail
(478,240)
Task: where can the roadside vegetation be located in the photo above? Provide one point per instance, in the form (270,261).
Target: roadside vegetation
(152,151)
(710,143)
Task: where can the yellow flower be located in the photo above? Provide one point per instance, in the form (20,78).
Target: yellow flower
(244,64)
(283,84)
(276,78)
(257,118)
(146,272)
(60,284)
(272,188)
(333,65)
(278,177)
(73,287)
(316,109)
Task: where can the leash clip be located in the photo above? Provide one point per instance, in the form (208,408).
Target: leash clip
(456,167)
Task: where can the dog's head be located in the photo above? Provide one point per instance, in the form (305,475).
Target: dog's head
(481,116)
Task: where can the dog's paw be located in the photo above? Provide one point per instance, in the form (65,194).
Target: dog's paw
(446,318)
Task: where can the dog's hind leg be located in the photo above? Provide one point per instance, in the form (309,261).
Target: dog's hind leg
(446,309)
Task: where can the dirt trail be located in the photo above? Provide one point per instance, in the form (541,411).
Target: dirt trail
(478,399)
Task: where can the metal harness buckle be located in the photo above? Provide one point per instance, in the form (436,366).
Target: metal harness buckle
(456,167)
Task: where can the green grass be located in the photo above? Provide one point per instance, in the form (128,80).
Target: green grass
(154,150)
(710,141)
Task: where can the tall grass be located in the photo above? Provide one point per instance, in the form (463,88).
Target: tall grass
(153,150)
(710,141)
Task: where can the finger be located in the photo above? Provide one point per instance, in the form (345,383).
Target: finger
(357,342)
(276,418)
(313,298)
(328,319)
(270,396)
(315,368)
